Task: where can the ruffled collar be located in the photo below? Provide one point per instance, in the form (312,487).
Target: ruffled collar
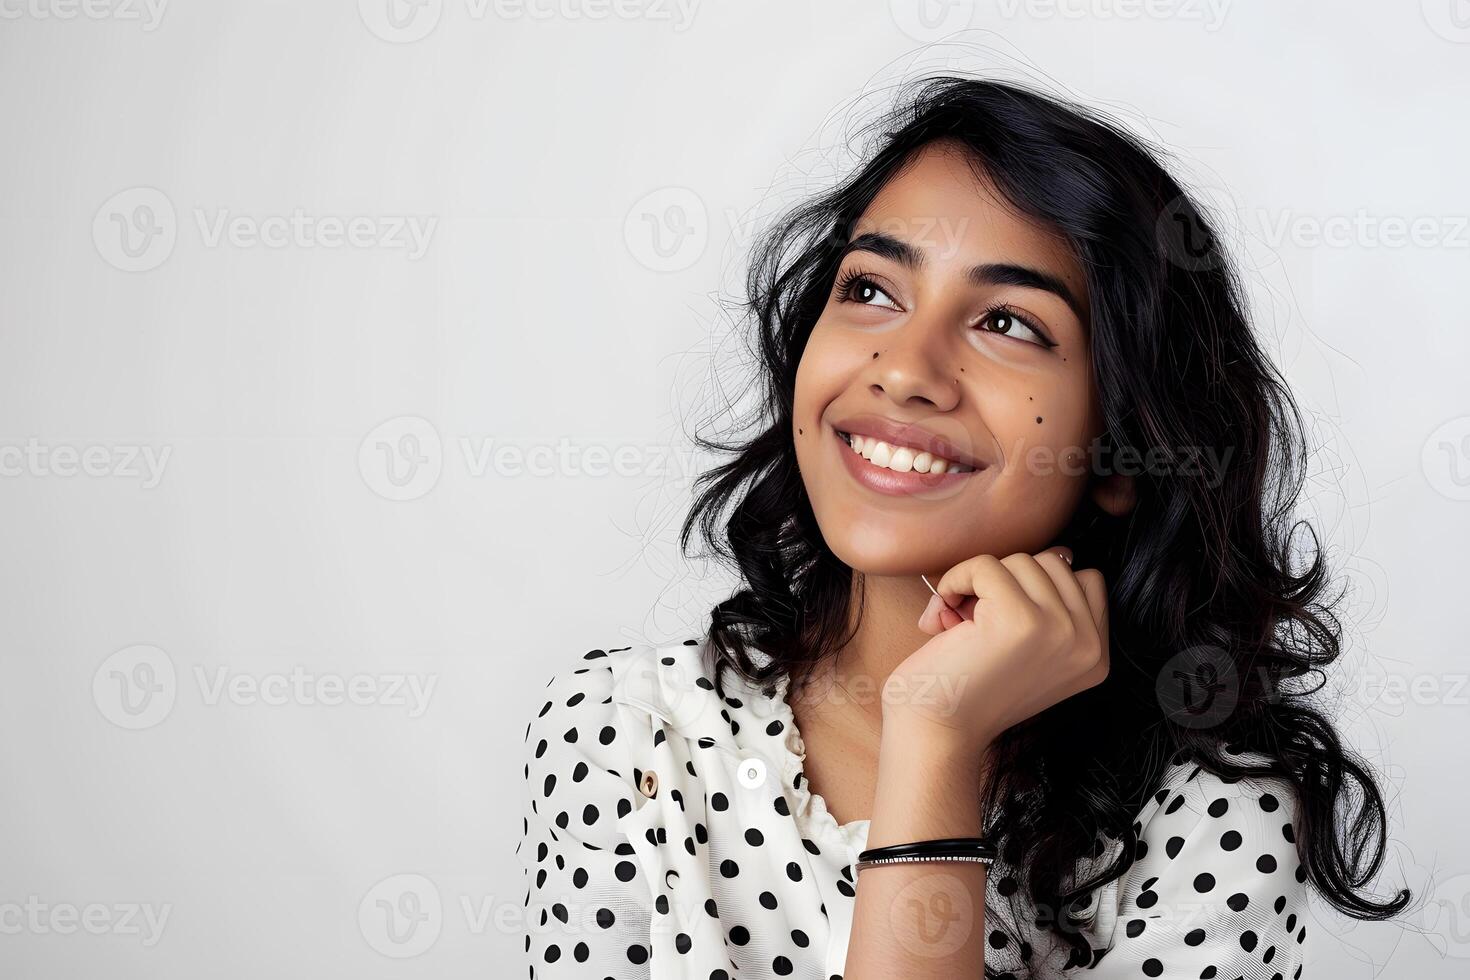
(752,721)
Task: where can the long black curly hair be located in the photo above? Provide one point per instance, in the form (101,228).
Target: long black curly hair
(1200,577)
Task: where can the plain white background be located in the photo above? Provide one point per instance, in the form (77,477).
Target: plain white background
(348,353)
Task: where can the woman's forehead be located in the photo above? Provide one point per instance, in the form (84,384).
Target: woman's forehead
(943,203)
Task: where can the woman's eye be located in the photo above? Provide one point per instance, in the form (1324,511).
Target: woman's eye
(862,290)
(1011,325)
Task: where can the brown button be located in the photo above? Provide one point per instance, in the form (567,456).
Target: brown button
(648,785)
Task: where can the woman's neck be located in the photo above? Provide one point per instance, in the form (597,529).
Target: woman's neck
(883,635)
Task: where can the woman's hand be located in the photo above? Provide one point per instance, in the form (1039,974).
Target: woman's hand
(1031,632)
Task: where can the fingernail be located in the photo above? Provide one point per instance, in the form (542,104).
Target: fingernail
(932,608)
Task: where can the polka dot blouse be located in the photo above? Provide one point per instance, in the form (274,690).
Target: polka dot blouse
(669,832)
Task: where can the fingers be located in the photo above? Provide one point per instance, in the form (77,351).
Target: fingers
(983,577)
(1090,581)
(1046,580)
(1068,586)
(1038,580)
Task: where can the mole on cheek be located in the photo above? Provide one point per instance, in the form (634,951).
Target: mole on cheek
(1038,420)
(799,432)
(875,353)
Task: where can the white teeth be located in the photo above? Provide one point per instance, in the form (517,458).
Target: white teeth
(902,459)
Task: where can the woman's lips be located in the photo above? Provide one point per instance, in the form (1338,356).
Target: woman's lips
(891,482)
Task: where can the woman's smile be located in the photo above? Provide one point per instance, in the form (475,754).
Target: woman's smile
(899,468)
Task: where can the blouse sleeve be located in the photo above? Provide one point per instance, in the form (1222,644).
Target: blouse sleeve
(587,904)
(1218,891)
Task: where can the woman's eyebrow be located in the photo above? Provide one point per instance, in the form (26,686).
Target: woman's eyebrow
(986,274)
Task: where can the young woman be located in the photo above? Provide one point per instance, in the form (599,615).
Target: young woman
(1005,358)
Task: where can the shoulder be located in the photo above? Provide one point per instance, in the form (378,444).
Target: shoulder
(600,700)
(1201,828)
(575,706)
(1191,795)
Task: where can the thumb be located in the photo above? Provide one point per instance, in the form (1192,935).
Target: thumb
(1096,593)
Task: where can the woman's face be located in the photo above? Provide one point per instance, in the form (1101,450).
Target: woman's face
(952,317)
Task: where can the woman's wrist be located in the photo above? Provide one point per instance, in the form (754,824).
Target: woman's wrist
(929,784)
(913,729)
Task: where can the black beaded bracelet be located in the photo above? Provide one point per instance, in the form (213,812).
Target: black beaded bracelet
(975,847)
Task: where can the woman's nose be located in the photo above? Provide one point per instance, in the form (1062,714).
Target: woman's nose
(917,363)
